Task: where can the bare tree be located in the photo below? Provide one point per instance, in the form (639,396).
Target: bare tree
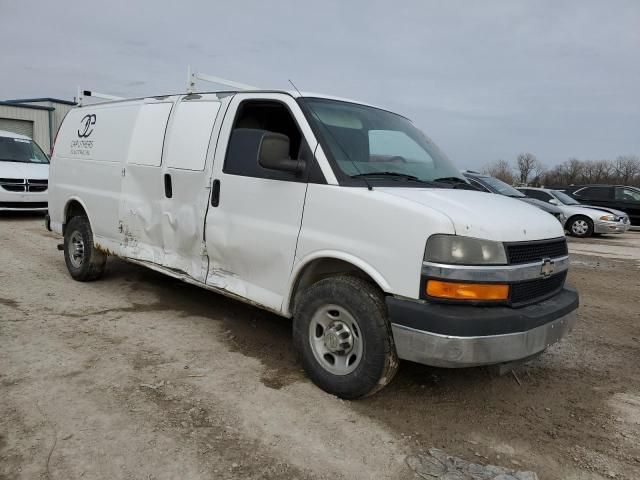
(624,170)
(500,169)
(571,171)
(527,164)
(539,172)
(627,167)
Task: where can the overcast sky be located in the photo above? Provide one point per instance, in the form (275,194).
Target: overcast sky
(485,80)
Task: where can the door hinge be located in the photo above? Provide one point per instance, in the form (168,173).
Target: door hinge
(124,170)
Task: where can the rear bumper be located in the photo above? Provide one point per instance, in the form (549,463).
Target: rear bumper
(466,336)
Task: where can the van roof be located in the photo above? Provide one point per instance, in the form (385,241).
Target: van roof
(292,93)
(4,133)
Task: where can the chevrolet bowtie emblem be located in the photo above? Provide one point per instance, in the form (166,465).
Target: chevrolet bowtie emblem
(547,267)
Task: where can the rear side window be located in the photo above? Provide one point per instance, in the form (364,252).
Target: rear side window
(253,119)
(596,193)
(538,195)
(148,134)
(477,184)
(189,134)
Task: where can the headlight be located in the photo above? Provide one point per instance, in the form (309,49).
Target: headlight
(464,251)
(608,218)
(562,218)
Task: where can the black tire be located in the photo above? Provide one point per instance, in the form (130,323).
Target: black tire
(89,264)
(580,226)
(377,363)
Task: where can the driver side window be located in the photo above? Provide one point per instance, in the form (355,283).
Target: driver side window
(253,119)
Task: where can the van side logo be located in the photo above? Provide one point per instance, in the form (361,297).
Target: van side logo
(86,125)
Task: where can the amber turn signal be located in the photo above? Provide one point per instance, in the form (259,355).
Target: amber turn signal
(467,291)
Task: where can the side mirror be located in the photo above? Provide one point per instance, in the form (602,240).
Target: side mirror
(273,153)
(554,201)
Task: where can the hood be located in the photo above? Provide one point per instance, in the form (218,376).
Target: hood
(37,171)
(594,213)
(613,211)
(547,207)
(484,215)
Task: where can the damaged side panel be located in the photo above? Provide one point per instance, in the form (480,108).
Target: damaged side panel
(140,227)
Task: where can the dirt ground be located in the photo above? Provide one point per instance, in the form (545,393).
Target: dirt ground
(139,376)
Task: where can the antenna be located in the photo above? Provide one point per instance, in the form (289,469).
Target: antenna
(192,77)
(302,99)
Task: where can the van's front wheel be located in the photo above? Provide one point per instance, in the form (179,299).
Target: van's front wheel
(342,333)
(84,261)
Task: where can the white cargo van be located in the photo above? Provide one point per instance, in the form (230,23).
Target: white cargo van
(340,215)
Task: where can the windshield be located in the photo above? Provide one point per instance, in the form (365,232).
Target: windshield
(21,150)
(367,141)
(564,198)
(502,188)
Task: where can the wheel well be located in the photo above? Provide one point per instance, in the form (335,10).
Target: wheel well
(322,268)
(73,209)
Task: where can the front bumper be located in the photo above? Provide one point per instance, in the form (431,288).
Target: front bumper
(610,227)
(466,336)
(19,201)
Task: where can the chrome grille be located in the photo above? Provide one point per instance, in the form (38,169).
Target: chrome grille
(24,185)
(529,252)
(534,290)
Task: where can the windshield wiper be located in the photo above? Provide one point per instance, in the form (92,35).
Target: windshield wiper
(394,175)
(386,174)
(450,180)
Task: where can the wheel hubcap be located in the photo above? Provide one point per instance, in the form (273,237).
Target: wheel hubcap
(580,227)
(335,339)
(76,249)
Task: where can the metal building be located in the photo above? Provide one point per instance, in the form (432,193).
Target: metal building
(38,118)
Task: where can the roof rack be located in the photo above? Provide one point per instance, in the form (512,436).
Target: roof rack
(192,77)
(89,93)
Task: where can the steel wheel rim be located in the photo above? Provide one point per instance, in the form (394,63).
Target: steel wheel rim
(336,339)
(580,227)
(76,249)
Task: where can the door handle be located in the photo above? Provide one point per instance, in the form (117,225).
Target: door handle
(215,193)
(168,189)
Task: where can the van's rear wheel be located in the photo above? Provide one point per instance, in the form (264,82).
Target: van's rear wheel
(84,262)
(342,333)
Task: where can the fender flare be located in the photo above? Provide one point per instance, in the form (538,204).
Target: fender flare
(358,262)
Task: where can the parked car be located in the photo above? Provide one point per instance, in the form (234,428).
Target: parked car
(339,215)
(620,197)
(582,220)
(487,183)
(24,173)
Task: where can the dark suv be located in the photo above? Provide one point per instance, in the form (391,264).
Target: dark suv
(619,197)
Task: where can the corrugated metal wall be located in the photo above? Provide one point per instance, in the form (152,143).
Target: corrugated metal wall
(40,119)
(57,115)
